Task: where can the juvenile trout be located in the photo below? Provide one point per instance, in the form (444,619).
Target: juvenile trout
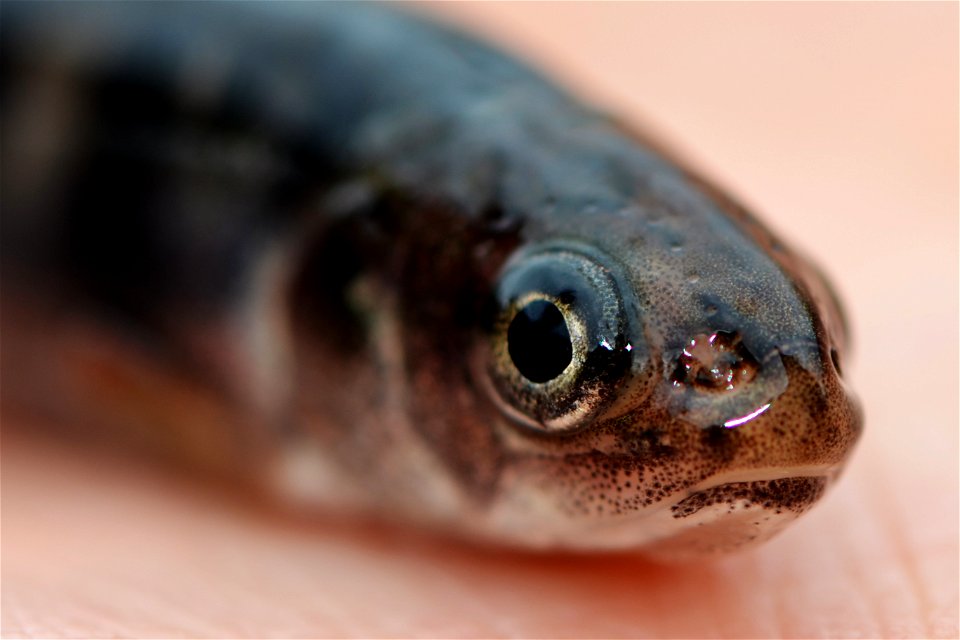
(372,265)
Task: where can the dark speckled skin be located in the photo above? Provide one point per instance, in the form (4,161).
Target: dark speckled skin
(301,213)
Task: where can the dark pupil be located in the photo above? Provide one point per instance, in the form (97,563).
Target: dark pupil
(539,342)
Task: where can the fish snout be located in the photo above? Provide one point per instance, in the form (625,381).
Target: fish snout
(781,407)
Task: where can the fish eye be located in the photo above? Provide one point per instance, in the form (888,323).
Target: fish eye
(538,341)
(561,343)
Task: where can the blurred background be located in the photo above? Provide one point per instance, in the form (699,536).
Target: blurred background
(838,125)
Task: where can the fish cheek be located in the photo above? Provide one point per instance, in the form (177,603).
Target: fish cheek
(443,278)
(386,304)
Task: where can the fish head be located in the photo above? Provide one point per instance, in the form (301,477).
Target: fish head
(664,375)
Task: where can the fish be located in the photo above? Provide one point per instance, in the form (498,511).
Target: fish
(367,264)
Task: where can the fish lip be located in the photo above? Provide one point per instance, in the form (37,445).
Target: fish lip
(769,473)
(785,492)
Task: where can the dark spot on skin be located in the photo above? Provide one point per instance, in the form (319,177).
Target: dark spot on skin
(715,435)
(720,442)
(499,221)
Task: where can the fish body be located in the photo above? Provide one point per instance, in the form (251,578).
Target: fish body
(373,265)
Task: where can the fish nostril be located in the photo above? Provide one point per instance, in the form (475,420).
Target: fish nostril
(835,359)
(715,362)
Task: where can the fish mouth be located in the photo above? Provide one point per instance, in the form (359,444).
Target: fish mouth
(793,494)
(735,515)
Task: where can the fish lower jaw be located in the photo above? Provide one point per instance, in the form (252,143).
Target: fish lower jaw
(721,514)
(724,513)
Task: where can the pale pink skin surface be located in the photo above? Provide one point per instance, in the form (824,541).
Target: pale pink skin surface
(838,124)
